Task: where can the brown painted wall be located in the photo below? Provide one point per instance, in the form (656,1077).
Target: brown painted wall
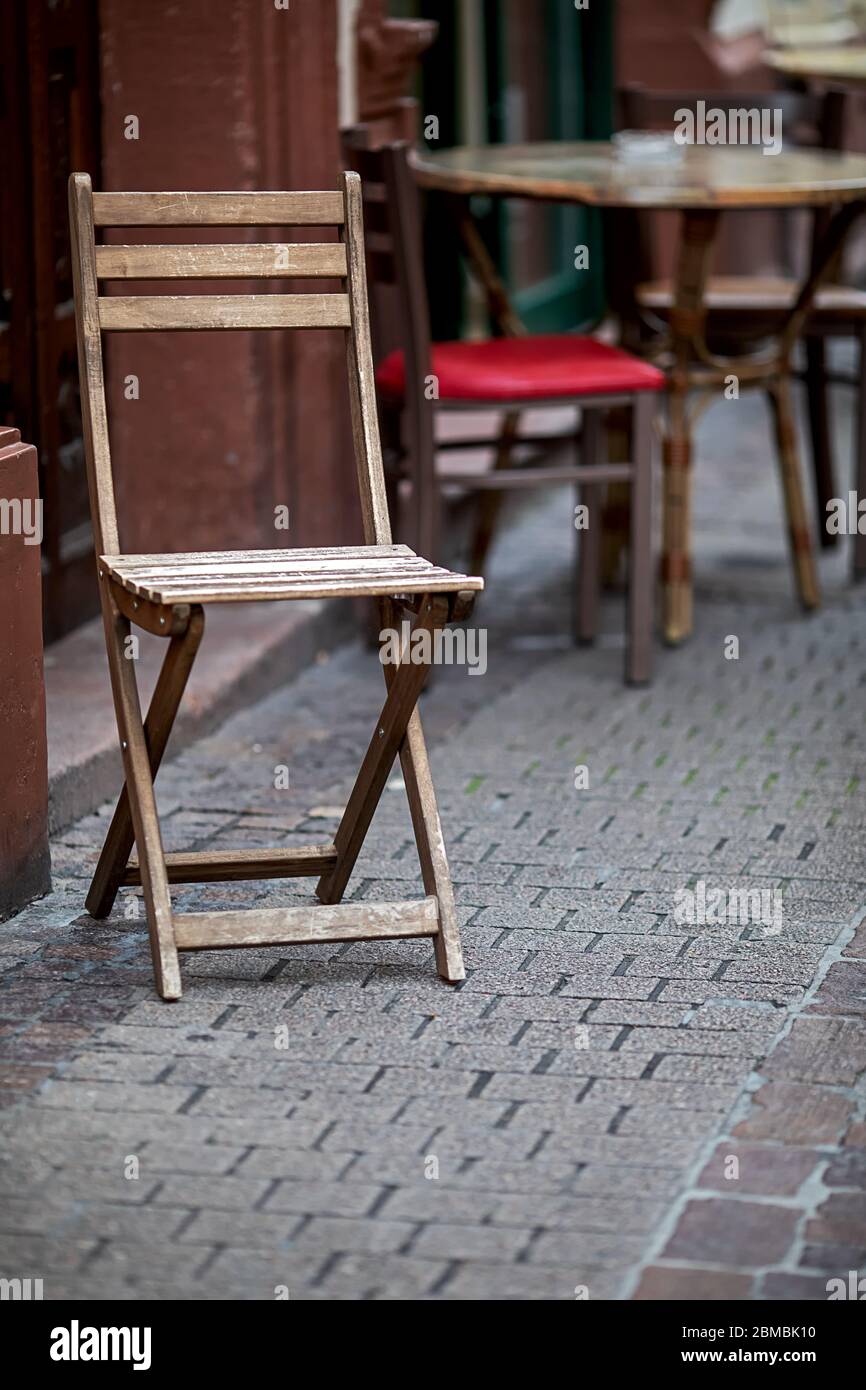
(24,863)
(228,425)
(658,45)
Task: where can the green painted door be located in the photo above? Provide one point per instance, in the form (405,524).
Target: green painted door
(505,71)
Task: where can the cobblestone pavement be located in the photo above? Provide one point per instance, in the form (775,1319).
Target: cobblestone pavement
(615,1103)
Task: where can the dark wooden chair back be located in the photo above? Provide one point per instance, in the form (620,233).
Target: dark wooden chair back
(395,258)
(400,316)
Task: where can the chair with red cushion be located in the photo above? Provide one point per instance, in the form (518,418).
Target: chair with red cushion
(537,368)
(418,377)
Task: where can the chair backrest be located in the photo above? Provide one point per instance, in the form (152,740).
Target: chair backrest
(395,255)
(341,261)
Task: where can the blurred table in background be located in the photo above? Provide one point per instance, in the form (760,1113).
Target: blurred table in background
(700,182)
(845,65)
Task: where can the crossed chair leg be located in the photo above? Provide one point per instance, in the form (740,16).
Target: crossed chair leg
(135,820)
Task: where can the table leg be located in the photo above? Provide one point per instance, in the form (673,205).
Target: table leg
(802,553)
(687,323)
(687,317)
(508,322)
(676,566)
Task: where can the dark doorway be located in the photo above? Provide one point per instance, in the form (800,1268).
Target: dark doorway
(49,125)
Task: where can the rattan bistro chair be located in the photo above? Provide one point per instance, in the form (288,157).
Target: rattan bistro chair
(744,308)
(165,594)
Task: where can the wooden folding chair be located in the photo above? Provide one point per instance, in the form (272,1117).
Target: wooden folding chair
(164,594)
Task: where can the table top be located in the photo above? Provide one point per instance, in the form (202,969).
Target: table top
(703,177)
(845,64)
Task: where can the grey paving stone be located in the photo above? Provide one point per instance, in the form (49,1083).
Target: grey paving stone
(560,1152)
(464,1242)
(586,1213)
(342,1234)
(584,1247)
(320,1198)
(383,1276)
(433,1201)
(114,1096)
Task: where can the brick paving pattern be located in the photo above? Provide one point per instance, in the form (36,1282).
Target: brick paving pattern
(614,1104)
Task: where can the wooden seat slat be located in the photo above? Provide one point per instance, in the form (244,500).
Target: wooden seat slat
(232,576)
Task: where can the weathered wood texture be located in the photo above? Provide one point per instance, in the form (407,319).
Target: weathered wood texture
(198,931)
(125,313)
(236,576)
(271,259)
(217,866)
(217,209)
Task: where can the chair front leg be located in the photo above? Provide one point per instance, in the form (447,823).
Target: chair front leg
(160,719)
(638,668)
(142,803)
(424,810)
(406,684)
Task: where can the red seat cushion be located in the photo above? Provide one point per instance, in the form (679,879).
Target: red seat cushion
(537,367)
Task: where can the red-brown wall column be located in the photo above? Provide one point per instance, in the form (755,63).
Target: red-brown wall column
(226,425)
(24,861)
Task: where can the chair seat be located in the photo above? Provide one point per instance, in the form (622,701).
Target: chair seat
(229,576)
(537,367)
(757,294)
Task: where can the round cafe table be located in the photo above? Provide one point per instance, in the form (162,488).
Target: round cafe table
(844,64)
(700,184)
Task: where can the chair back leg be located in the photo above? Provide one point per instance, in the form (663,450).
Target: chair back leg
(799,537)
(638,666)
(819,432)
(592,451)
(859,557)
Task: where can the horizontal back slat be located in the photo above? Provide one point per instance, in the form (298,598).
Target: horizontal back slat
(136,312)
(218,209)
(228,262)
